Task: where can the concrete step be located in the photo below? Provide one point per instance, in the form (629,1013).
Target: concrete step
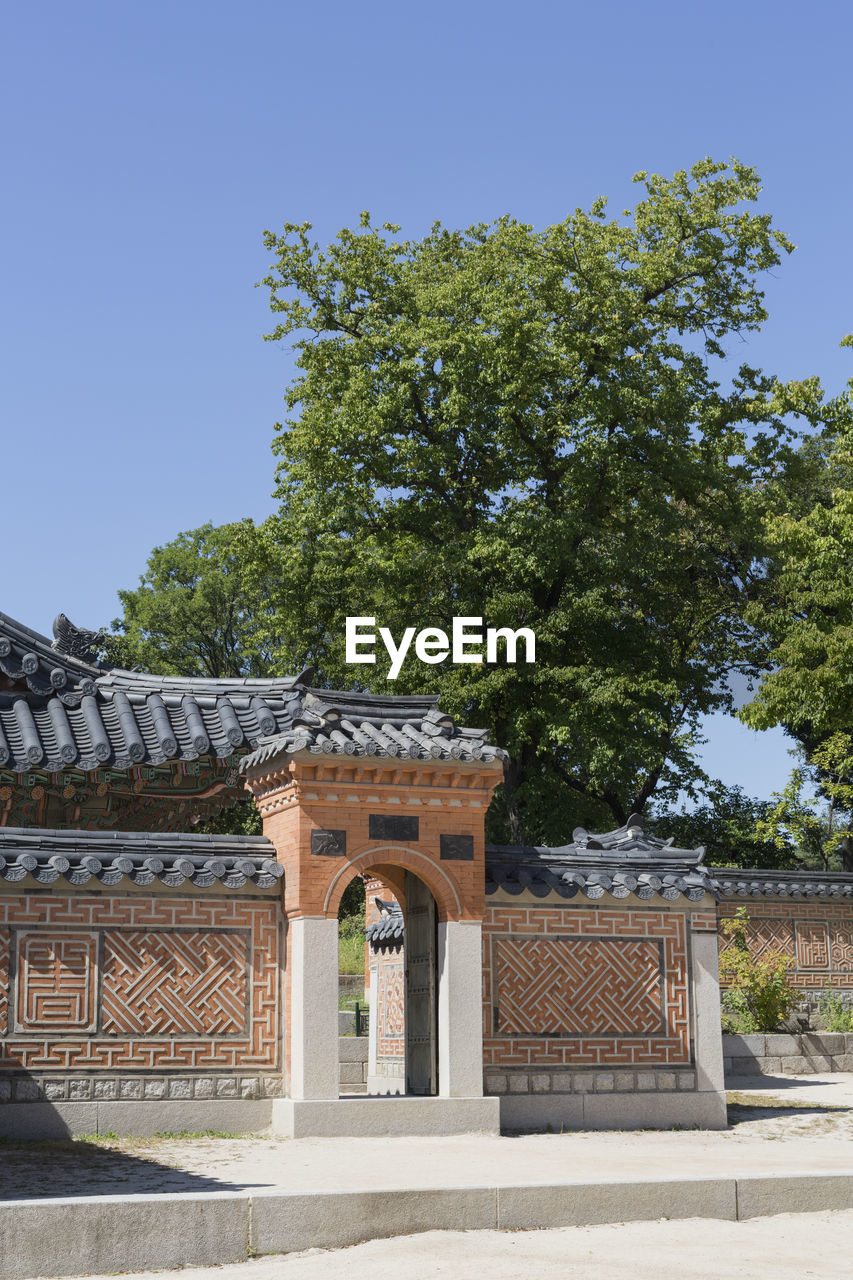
(108,1234)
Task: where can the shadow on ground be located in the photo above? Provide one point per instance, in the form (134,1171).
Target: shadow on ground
(38,1170)
(779,1083)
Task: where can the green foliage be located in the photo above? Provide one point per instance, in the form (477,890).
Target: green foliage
(808,687)
(351,928)
(351,952)
(791,820)
(760,995)
(191,614)
(731,826)
(524,426)
(241,819)
(835,1014)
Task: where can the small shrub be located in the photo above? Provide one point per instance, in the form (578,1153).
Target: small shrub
(760,995)
(835,1014)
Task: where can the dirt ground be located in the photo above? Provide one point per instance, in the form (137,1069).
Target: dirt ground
(804,1123)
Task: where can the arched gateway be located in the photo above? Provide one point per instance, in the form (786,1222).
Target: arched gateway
(390,786)
(155,978)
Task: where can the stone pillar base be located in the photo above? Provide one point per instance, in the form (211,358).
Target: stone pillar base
(361,1117)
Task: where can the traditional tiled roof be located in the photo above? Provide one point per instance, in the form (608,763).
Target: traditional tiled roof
(363,724)
(58,712)
(733,882)
(61,712)
(622,863)
(139,858)
(389,929)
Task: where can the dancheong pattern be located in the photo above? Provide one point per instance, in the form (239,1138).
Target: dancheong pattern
(175,983)
(578,986)
(187,984)
(623,1003)
(58,987)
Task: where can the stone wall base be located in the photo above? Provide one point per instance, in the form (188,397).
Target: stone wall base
(36,1120)
(513,1081)
(101,1086)
(555,1113)
(812,1052)
(352,1056)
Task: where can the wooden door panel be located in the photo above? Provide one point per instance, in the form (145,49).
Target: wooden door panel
(421,1055)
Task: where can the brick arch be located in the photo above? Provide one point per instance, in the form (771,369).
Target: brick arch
(449,900)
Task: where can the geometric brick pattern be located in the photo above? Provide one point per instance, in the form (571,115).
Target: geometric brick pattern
(232,942)
(703,921)
(391,1010)
(56,987)
(841,948)
(577,986)
(174,983)
(541,966)
(765,936)
(818,935)
(812,944)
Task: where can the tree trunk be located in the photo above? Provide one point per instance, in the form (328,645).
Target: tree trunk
(845,848)
(512,781)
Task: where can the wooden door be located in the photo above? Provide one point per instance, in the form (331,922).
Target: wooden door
(421,1021)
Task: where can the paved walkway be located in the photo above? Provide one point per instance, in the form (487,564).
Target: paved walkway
(812,1246)
(124,1205)
(800,1123)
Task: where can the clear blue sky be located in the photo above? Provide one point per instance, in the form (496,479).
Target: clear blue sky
(146,147)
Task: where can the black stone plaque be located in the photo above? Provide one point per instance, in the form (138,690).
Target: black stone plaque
(329,844)
(393,827)
(458,848)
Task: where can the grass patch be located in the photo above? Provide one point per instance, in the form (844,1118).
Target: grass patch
(112,1140)
(766,1102)
(351,950)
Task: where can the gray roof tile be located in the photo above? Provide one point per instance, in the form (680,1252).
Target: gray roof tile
(623,863)
(388,931)
(58,712)
(140,858)
(734,882)
(360,724)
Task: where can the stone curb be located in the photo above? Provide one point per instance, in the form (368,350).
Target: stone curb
(103,1234)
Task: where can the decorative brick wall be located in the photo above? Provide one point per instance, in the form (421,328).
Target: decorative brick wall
(588,999)
(817,933)
(139,997)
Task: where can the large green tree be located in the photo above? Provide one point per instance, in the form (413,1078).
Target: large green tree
(192,613)
(529,427)
(808,622)
(736,830)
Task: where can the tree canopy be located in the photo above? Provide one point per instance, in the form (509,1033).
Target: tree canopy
(533,427)
(808,622)
(736,830)
(191,614)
